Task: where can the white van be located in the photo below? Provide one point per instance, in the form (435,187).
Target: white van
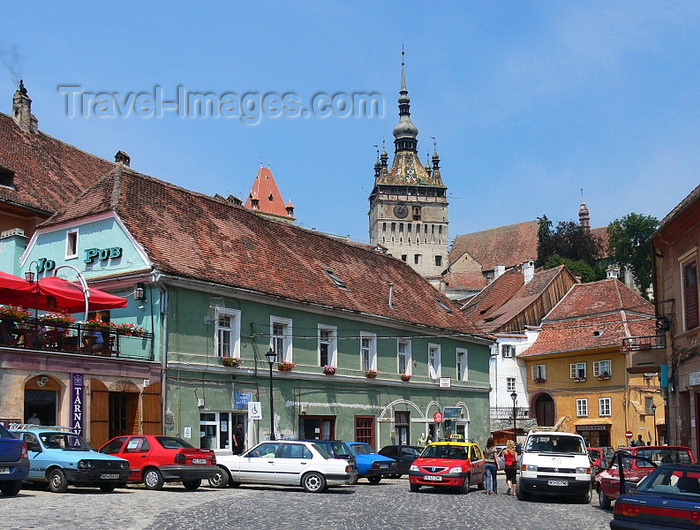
(554,463)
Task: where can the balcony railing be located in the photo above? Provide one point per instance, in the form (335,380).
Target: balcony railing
(77,338)
(503,413)
(644,354)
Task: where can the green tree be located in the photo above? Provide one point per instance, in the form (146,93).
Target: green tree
(570,240)
(577,268)
(627,245)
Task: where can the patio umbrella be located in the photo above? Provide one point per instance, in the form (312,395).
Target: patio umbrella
(14,290)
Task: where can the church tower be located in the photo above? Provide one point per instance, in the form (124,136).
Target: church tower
(408,204)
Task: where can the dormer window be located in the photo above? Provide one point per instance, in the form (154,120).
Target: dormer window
(339,282)
(7,177)
(443,305)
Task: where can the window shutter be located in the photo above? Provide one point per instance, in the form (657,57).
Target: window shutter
(690,295)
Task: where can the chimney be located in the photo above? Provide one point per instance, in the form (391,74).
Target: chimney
(528,270)
(22,110)
(122,158)
(498,270)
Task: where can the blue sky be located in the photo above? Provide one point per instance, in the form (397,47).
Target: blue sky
(528,101)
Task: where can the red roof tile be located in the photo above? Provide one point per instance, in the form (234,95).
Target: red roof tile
(506,245)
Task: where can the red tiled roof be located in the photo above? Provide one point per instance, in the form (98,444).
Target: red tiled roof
(506,245)
(466,280)
(594,315)
(269,198)
(48,173)
(190,235)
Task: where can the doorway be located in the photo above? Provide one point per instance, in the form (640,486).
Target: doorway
(317,427)
(544,410)
(41,398)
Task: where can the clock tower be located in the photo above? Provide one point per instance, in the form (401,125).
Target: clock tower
(408,204)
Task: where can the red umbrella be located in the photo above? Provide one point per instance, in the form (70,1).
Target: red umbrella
(14,290)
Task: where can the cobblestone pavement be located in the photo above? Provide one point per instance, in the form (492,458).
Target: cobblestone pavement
(388,504)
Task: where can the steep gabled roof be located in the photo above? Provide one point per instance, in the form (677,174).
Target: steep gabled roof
(594,315)
(48,173)
(190,235)
(265,191)
(506,245)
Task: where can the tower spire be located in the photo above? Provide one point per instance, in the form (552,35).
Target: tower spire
(405,133)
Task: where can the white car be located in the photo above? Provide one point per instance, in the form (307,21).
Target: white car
(288,463)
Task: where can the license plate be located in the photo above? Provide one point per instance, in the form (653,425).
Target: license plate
(383,466)
(557,483)
(4,470)
(199,460)
(109,476)
(433,478)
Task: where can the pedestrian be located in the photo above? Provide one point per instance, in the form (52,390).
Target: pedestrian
(238,439)
(510,459)
(491,466)
(34,419)
(640,442)
(429,439)
(421,440)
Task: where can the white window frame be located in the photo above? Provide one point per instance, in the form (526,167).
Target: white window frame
(281,344)
(508,351)
(462,364)
(578,370)
(72,233)
(539,371)
(604,406)
(406,354)
(331,342)
(510,384)
(370,348)
(233,330)
(600,367)
(582,407)
(434,361)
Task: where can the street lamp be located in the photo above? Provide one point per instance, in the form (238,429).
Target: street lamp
(514,397)
(653,411)
(271,357)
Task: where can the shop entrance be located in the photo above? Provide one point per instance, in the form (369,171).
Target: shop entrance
(317,427)
(41,400)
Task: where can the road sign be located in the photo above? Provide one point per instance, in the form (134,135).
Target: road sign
(438,417)
(629,434)
(254,410)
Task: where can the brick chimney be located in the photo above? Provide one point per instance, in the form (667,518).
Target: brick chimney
(22,110)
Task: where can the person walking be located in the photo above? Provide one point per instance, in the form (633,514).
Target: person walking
(491,466)
(238,439)
(510,460)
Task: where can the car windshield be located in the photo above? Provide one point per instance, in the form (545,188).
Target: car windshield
(663,455)
(169,442)
(67,441)
(322,451)
(446,451)
(672,480)
(363,449)
(550,443)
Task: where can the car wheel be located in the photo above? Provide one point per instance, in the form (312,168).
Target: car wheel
(221,479)
(11,487)
(466,485)
(415,488)
(192,485)
(374,479)
(313,482)
(107,488)
(522,495)
(603,499)
(57,481)
(152,479)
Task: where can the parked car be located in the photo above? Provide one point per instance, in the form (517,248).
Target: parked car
(667,498)
(637,462)
(404,456)
(14,462)
(370,464)
(339,449)
(554,463)
(289,463)
(60,457)
(156,459)
(598,461)
(448,464)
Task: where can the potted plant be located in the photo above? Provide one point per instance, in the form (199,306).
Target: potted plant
(405,377)
(233,362)
(539,380)
(129,328)
(285,366)
(15,312)
(371,374)
(56,319)
(328,370)
(97,325)
(603,376)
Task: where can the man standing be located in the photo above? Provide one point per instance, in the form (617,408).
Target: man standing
(238,439)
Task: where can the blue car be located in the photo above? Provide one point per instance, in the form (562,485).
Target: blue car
(14,462)
(669,497)
(370,464)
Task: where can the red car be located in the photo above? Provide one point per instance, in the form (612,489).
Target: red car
(448,464)
(607,482)
(156,459)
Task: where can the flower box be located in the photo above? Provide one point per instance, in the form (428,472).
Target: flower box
(580,380)
(329,370)
(371,374)
(97,325)
(233,362)
(539,380)
(14,312)
(603,377)
(56,319)
(405,377)
(285,366)
(128,328)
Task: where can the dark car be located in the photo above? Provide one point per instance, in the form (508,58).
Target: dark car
(404,456)
(637,463)
(339,449)
(668,497)
(14,462)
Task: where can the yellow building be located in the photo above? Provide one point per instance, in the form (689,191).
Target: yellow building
(576,374)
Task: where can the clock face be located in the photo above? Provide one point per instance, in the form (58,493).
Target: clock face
(401,210)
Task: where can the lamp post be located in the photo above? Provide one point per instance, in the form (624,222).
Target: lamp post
(514,397)
(653,411)
(271,357)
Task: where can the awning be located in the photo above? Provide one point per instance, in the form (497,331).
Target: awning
(593,424)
